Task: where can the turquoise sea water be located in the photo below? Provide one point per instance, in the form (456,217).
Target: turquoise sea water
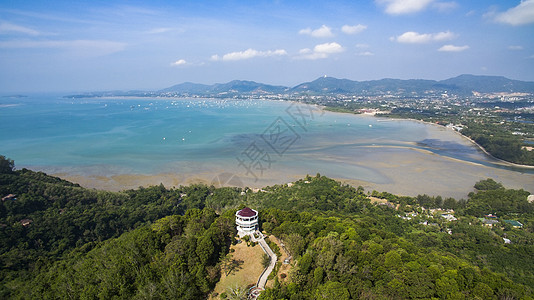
(261,141)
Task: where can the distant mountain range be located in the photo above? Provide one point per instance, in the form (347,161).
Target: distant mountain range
(235,86)
(460,85)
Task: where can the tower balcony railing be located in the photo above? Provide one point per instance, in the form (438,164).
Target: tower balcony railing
(252,221)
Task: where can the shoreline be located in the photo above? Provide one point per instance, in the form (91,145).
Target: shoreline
(127,181)
(497,160)
(350,156)
(391,176)
(118,182)
(433,184)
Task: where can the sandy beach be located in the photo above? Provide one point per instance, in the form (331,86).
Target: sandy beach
(399,170)
(122,182)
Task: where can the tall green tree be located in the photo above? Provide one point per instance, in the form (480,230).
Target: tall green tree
(7,165)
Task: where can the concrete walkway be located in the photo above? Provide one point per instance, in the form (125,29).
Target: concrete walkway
(263,277)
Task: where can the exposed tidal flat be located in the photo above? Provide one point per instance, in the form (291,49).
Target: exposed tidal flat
(119,143)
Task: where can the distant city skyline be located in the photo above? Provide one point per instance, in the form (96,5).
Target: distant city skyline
(66,46)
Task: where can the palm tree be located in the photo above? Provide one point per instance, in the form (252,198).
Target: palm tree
(236,293)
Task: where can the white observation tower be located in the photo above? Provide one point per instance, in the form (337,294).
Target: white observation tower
(246,221)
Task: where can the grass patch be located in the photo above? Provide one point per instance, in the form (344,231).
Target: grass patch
(248,271)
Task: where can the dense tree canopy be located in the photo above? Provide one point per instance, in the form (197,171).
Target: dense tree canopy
(59,240)
(488,184)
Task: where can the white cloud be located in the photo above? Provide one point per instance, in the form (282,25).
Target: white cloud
(400,7)
(78,47)
(179,62)
(278,52)
(322,32)
(362,48)
(247,54)
(452,48)
(9,28)
(328,48)
(412,37)
(490,13)
(445,6)
(313,56)
(518,15)
(443,36)
(353,29)
(320,51)
(515,47)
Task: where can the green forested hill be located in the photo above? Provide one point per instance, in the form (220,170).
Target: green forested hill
(168,243)
(175,258)
(66,218)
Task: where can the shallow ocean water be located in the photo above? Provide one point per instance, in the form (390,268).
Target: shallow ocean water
(122,143)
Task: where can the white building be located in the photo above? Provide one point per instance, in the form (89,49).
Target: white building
(448,217)
(246,221)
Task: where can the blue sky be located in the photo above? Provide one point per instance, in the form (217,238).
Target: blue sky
(64,46)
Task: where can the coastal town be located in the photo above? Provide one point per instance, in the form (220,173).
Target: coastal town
(502,124)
